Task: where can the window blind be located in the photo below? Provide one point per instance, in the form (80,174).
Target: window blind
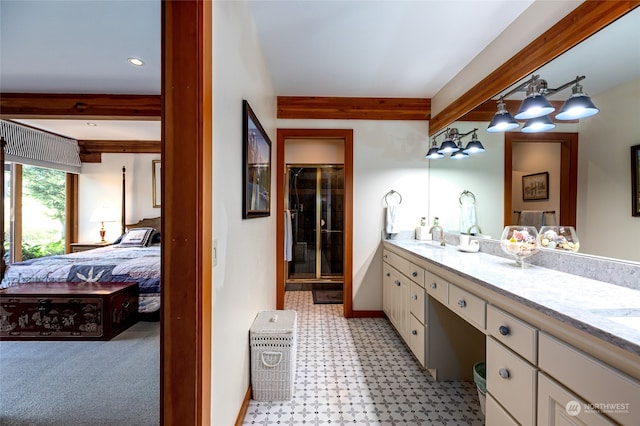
(26,145)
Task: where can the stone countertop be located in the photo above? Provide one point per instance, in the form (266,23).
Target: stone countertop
(606,311)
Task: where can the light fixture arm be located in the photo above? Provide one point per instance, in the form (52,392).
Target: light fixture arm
(532,81)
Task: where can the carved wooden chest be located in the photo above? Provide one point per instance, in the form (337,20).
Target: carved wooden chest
(67,311)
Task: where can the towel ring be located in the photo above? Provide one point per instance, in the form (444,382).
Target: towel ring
(468,194)
(392,192)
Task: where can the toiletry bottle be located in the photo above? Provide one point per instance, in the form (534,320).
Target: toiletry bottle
(436,233)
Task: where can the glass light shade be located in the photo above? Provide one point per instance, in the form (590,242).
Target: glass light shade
(502,122)
(538,124)
(519,242)
(448,146)
(577,106)
(534,106)
(473,147)
(433,153)
(559,238)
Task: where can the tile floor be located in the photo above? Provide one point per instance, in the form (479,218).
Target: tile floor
(358,372)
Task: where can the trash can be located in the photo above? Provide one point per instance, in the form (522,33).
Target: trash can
(273,355)
(480,378)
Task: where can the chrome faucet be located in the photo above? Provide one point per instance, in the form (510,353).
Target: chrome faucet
(474,227)
(438,227)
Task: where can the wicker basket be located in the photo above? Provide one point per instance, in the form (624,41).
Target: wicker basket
(273,355)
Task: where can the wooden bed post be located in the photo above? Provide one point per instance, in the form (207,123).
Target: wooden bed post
(123,200)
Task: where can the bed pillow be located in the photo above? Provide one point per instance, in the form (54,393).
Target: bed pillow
(137,237)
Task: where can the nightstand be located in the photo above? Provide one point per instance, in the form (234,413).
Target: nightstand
(78,247)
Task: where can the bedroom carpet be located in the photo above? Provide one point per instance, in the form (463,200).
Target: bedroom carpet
(53,383)
(327,297)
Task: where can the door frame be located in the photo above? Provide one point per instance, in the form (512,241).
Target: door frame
(346,135)
(568,171)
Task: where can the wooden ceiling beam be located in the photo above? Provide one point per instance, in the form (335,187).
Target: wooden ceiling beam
(91,150)
(584,21)
(79,106)
(344,108)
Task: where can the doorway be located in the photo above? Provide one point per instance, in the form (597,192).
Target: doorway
(568,171)
(315,201)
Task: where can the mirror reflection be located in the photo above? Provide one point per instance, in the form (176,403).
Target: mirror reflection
(599,204)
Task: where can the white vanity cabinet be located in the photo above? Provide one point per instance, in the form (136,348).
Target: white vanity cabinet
(404,300)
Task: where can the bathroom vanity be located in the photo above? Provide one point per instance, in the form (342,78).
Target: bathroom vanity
(559,348)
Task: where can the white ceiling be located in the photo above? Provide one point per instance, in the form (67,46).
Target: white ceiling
(312,48)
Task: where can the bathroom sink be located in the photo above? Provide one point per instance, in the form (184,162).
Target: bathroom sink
(432,243)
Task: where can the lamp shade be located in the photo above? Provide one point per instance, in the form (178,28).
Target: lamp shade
(579,105)
(538,124)
(502,122)
(474,146)
(534,106)
(459,155)
(433,153)
(104,213)
(448,146)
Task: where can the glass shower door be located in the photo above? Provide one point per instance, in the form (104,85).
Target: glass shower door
(316,202)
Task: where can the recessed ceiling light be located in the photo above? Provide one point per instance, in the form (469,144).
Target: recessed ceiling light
(135,61)
(91,124)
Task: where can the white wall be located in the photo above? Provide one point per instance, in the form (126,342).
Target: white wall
(387,155)
(101,184)
(244,278)
(604,223)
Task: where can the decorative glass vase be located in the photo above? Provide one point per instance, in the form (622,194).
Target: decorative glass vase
(559,238)
(519,242)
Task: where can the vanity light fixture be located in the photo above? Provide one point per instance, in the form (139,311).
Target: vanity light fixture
(136,62)
(538,124)
(433,153)
(579,105)
(536,106)
(502,121)
(453,144)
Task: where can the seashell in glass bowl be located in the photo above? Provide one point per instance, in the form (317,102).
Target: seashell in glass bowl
(519,242)
(559,237)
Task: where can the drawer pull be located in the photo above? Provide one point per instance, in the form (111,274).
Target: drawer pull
(414,332)
(504,330)
(385,256)
(462,303)
(414,274)
(504,373)
(434,285)
(398,283)
(388,274)
(415,297)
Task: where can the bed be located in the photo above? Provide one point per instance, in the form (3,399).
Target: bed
(131,260)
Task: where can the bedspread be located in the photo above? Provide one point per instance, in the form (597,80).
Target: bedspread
(105,264)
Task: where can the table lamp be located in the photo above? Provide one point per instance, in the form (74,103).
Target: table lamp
(103,214)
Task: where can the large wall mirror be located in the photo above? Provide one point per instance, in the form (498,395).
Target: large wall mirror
(610,61)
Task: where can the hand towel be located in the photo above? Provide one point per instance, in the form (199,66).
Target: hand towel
(393,219)
(531,218)
(467,217)
(288,238)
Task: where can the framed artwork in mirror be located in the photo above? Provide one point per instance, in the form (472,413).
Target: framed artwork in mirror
(256,158)
(635,180)
(155,179)
(535,186)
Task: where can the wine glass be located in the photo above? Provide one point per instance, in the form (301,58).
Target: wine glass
(559,238)
(519,242)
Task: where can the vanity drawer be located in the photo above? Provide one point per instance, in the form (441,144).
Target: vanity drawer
(437,287)
(416,339)
(512,381)
(590,378)
(468,306)
(417,302)
(496,415)
(512,332)
(414,272)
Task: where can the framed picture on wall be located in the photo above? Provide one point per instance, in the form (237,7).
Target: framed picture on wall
(155,179)
(535,186)
(635,180)
(256,153)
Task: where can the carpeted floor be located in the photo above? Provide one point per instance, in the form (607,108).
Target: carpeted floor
(322,297)
(74,383)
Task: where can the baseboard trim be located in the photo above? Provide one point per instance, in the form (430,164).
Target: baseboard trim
(368,314)
(244,407)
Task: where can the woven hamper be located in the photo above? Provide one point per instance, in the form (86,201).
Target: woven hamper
(273,355)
